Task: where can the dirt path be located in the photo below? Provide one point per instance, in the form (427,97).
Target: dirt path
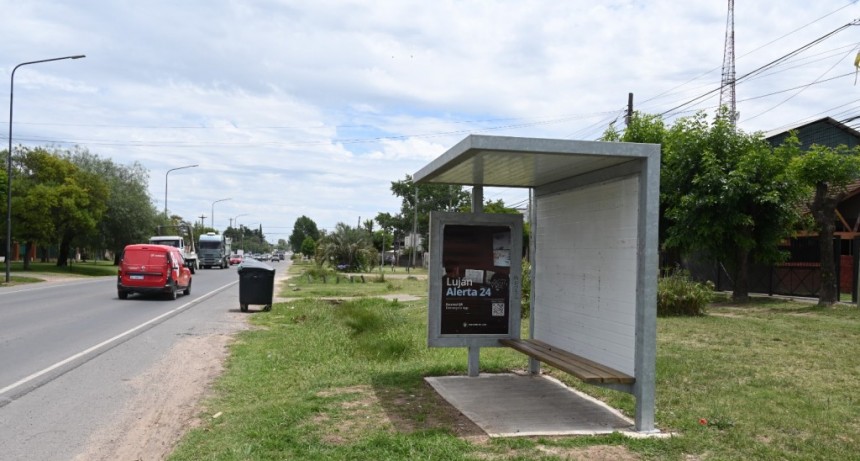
(167,397)
(165,404)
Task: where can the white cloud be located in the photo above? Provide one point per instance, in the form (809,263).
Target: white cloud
(313,108)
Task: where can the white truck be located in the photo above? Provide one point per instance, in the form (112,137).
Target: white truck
(178,241)
(214,250)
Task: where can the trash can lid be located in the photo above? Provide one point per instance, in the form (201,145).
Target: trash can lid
(253,264)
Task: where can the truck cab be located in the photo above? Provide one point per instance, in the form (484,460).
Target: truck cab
(214,250)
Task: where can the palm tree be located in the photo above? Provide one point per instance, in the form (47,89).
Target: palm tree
(348,247)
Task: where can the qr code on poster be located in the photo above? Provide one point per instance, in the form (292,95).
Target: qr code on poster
(498,309)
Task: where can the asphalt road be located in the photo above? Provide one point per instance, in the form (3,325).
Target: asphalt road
(68,348)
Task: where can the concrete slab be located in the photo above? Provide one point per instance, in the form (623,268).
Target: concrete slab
(508,405)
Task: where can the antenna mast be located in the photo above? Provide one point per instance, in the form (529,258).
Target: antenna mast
(727,87)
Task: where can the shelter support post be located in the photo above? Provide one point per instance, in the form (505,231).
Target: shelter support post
(475,351)
(477,199)
(474,361)
(534,366)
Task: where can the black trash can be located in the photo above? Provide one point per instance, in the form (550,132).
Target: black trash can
(256,284)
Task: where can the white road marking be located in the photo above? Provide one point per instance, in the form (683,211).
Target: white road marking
(106,342)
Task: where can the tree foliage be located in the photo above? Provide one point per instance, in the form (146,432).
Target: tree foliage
(826,172)
(130,215)
(723,193)
(309,247)
(727,193)
(348,248)
(303,228)
(54,200)
(430,197)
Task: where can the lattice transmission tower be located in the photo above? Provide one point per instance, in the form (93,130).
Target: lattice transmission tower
(727,86)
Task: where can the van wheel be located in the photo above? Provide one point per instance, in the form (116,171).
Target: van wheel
(243,307)
(187,290)
(173,294)
(122,294)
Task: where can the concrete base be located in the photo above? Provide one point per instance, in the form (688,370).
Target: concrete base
(506,405)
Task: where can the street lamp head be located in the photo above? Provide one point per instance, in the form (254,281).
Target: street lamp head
(165,182)
(78,56)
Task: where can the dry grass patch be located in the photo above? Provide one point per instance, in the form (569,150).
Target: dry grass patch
(351,412)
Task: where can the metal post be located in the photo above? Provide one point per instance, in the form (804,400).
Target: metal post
(415,228)
(474,361)
(165,184)
(475,351)
(212,215)
(8,257)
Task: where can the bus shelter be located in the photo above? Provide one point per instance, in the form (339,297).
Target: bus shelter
(593,247)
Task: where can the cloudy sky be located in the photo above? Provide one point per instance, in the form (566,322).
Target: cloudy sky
(313,108)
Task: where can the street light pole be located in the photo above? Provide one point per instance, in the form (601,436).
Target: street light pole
(212,222)
(236,219)
(165,183)
(8,258)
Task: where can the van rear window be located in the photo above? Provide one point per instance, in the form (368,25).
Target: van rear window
(145,257)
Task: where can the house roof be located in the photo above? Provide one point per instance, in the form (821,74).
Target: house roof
(799,126)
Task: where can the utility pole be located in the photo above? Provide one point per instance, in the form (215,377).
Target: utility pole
(629,109)
(202,220)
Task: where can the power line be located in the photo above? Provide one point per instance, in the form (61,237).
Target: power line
(800,90)
(748,53)
(768,65)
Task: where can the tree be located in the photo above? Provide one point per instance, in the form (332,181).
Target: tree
(728,194)
(347,247)
(309,247)
(248,240)
(431,197)
(643,128)
(304,227)
(498,207)
(130,215)
(55,201)
(826,172)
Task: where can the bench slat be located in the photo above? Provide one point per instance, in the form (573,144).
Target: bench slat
(584,369)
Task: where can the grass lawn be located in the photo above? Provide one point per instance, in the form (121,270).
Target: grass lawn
(91,269)
(312,284)
(336,380)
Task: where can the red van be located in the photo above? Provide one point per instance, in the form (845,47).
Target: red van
(147,268)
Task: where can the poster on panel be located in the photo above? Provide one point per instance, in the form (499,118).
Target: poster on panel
(475,286)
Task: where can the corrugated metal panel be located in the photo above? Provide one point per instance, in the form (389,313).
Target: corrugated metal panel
(524,162)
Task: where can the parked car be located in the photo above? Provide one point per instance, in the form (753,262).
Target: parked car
(146,268)
(235,259)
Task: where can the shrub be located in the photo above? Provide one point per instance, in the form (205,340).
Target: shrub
(318,272)
(525,301)
(679,295)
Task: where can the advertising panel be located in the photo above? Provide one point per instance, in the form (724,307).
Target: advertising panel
(475,277)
